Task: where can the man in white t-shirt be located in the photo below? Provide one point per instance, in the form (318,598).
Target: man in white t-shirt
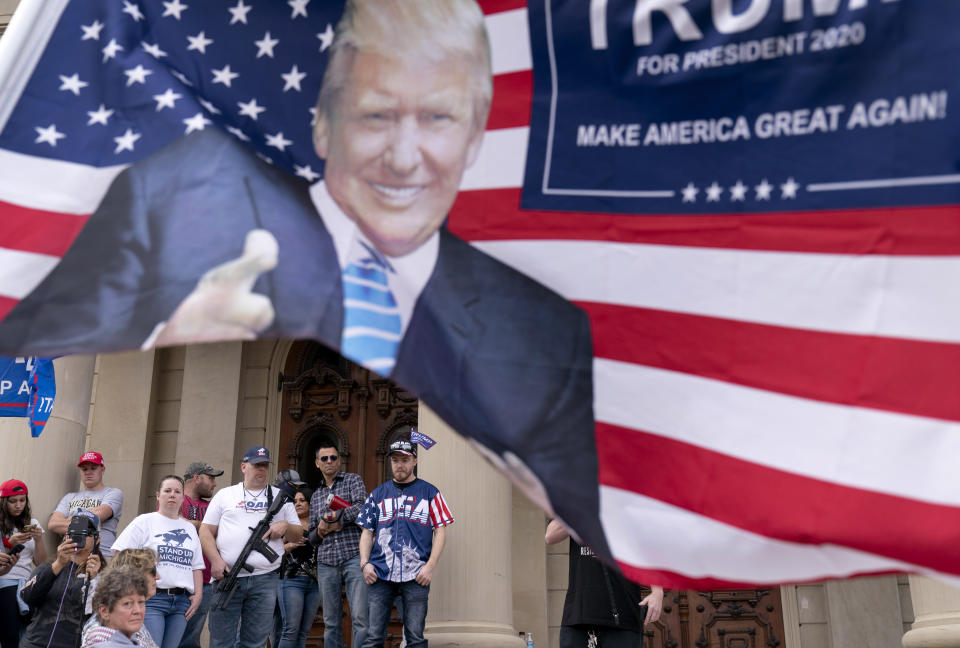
(233,511)
(103,501)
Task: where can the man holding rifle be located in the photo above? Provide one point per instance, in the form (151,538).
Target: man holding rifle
(224,533)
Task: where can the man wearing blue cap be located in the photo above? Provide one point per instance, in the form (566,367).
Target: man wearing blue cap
(233,511)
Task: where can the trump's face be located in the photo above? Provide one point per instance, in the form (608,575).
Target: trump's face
(396,144)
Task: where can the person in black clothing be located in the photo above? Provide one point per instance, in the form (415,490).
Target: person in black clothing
(299,595)
(602,608)
(56,591)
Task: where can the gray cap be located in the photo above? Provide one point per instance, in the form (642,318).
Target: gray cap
(201,468)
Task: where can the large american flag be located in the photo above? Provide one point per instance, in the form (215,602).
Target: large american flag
(775,393)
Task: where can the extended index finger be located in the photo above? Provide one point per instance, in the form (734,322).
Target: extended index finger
(260,253)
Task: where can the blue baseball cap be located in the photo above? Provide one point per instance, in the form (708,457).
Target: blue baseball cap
(257,454)
(91,518)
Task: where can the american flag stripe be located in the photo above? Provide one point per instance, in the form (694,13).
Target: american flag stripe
(509,40)
(705,553)
(512,92)
(819,511)
(491,215)
(28,269)
(891,296)
(894,374)
(78,189)
(38,231)
(501,160)
(490,7)
(804,437)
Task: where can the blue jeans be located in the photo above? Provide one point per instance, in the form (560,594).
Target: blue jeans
(331,579)
(191,635)
(250,609)
(164,618)
(414,612)
(299,600)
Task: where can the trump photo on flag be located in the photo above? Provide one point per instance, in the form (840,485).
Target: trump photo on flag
(644,255)
(204,240)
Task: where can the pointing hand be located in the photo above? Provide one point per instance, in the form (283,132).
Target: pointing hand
(222,306)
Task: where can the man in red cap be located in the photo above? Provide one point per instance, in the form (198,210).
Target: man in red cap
(103,501)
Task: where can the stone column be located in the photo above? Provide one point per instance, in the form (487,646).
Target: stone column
(864,612)
(936,608)
(121,422)
(209,405)
(471,597)
(48,463)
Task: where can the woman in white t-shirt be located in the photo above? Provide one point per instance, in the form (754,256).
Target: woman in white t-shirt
(179,563)
(19,531)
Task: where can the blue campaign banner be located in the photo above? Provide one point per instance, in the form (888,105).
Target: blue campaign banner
(27,389)
(723,106)
(421,439)
(43,389)
(14,386)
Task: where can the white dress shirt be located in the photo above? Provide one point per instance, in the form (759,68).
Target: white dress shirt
(412,270)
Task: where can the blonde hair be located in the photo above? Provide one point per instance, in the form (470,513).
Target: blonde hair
(435,30)
(144,559)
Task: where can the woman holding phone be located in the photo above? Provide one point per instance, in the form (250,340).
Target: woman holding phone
(21,535)
(58,590)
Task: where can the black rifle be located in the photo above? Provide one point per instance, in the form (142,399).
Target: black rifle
(256,543)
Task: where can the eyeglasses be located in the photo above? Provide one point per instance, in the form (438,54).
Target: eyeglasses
(330,458)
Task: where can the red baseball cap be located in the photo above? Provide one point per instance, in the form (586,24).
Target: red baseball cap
(91,457)
(12,487)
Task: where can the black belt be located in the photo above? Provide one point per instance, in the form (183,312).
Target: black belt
(172,591)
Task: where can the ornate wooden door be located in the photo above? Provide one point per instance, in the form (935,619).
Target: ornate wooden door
(719,619)
(329,400)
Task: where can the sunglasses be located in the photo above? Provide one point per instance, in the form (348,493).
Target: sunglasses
(330,458)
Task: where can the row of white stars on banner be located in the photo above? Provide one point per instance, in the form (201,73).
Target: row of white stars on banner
(738,192)
(238,12)
(198,43)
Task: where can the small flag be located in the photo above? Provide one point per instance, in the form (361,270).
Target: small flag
(422,439)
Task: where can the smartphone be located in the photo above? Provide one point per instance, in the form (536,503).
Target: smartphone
(27,528)
(16,549)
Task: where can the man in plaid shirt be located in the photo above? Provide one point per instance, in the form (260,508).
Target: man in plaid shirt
(338,555)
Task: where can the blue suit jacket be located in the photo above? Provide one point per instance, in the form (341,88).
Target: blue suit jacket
(499,357)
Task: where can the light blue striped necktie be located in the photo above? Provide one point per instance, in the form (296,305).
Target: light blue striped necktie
(371,319)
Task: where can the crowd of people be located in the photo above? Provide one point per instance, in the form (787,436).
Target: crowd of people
(156,583)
